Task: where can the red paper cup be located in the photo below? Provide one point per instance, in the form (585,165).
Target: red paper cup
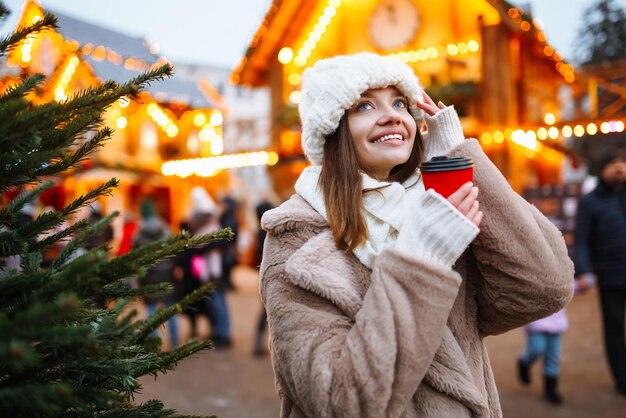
(446,174)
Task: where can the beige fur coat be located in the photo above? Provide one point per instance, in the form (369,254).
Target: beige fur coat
(405,339)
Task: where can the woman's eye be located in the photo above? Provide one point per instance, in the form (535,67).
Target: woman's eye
(401,103)
(364,106)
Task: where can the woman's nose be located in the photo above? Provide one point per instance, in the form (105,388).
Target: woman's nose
(389,115)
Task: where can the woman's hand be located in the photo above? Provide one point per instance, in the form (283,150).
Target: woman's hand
(465,200)
(429,105)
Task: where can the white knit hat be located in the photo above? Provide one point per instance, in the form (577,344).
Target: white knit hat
(202,202)
(333,85)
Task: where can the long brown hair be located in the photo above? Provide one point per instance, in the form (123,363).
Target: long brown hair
(341,185)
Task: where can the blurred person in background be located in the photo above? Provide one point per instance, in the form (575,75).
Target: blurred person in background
(101,238)
(152,228)
(543,339)
(188,282)
(600,255)
(198,266)
(25,215)
(105,235)
(229,219)
(129,229)
(259,338)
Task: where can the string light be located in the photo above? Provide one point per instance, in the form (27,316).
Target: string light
(526,139)
(123,102)
(567,131)
(161,118)
(66,76)
(294,79)
(432,52)
(207,167)
(199,120)
(549,118)
(553,132)
(579,131)
(531,139)
(308,46)
(121,122)
(295,97)
(216,118)
(285,55)
(592,129)
(26,48)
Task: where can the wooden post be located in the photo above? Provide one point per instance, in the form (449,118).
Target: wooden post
(592,89)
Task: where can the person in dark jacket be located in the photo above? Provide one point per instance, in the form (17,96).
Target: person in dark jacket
(259,337)
(152,228)
(600,255)
(229,219)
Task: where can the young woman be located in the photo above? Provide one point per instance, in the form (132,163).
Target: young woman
(379,293)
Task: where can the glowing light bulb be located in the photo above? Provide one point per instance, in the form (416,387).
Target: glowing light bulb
(549,118)
(172,131)
(579,130)
(592,129)
(199,120)
(567,131)
(216,119)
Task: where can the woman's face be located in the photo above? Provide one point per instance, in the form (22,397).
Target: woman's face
(382,129)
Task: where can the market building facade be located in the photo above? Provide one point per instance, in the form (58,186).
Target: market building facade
(166,141)
(512,90)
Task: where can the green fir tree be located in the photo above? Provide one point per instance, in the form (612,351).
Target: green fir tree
(602,34)
(60,354)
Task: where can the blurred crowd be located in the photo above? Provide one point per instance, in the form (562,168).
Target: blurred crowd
(188,270)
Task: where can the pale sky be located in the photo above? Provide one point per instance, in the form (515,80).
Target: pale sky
(217,32)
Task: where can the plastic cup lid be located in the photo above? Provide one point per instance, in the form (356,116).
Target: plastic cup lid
(444,163)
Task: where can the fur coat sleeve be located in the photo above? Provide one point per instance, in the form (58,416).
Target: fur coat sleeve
(521,255)
(340,353)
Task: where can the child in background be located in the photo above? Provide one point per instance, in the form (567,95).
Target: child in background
(543,339)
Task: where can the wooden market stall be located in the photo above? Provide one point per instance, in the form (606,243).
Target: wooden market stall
(173,119)
(490,59)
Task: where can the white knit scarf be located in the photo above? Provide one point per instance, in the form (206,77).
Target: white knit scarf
(384,209)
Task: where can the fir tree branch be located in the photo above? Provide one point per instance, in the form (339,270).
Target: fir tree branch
(10,244)
(49,399)
(31,262)
(42,224)
(11,41)
(8,214)
(126,265)
(90,197)
(79,241)
(150,76)
(79,155)
(54,238)
(13,288)
(154,321)
(81,124)
(16,92)
(169,359)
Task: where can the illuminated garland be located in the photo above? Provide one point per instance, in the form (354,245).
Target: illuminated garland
(532,138)
(208,167)
(69,70)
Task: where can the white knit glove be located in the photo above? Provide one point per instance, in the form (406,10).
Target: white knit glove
(434,230)
(444,132)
